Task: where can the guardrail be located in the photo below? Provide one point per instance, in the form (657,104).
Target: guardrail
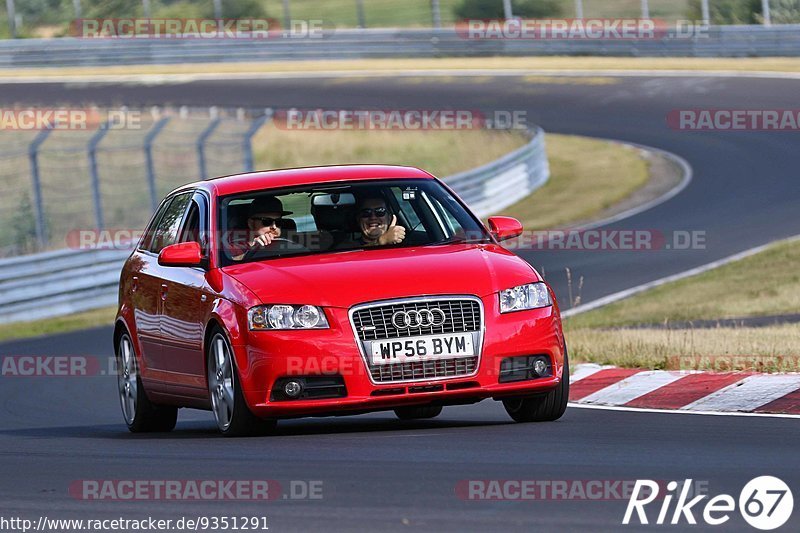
(723,41)
(503,182)
(69,281)
(58,283)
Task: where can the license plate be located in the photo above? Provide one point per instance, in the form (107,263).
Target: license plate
(428,348)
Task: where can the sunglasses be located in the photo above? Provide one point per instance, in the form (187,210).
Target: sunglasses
(268,221)
(379,212)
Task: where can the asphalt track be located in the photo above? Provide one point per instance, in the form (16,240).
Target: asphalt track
(381,474)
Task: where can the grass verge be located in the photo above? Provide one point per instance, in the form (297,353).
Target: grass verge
(761,285)
(721,349)
(62,324)
(586,177)
(767,283)
(392,66)
(440,152)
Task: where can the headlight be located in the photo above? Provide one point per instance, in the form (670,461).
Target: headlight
(530,296)
(266,317)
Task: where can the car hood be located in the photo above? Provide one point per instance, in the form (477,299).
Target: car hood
(344,279)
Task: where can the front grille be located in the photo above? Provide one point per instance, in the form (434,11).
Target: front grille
(443,368)
(460,316)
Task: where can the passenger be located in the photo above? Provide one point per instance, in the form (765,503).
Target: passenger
(376,226)
(263,224)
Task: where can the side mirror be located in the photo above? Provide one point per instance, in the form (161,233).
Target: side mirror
(504,228)
(183,254)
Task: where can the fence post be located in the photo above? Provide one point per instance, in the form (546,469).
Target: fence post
(247,141)
(508,12)
(287,16)
(765,11)
(12,18)
(38,206)
(645,9)
(201,146)
(705,12)
(148,154)
(436,12)
(362,19)
(98,204)
(578,9)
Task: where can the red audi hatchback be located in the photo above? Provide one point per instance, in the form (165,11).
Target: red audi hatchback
(330,291)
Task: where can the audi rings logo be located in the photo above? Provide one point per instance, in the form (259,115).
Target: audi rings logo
(424,318)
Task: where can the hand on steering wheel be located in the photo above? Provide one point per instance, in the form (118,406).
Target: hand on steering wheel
(290,245)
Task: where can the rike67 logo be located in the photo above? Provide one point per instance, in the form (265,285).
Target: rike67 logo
(765,503)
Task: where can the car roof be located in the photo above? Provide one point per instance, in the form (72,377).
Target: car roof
(253,181)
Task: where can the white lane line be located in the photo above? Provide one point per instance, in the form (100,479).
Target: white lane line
(677,411)
(586,370)
(632,387)
(627,293)
(748,394)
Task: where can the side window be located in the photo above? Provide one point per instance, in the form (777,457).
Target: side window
(166,231)
(194,227)
(147,239)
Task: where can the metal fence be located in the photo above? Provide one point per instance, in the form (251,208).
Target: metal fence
(387,13)
(112,178)
(717,41)
(69,281)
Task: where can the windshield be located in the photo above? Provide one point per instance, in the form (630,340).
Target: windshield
(329,218)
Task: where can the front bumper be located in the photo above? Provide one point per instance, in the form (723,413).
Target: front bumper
(268,356)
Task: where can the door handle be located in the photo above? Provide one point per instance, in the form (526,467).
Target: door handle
(134,283)
(164,290)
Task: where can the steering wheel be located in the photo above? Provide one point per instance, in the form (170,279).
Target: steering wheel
(286,245)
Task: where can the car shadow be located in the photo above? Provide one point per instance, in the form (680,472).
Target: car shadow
(195,429)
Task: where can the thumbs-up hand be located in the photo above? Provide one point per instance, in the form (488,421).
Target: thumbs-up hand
(394,234)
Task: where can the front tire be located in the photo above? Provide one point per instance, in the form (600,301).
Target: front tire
(545,408)
(233,417)
(418,413)
(141,416)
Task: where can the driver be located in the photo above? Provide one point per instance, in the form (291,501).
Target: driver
(264,225)
(377,224)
